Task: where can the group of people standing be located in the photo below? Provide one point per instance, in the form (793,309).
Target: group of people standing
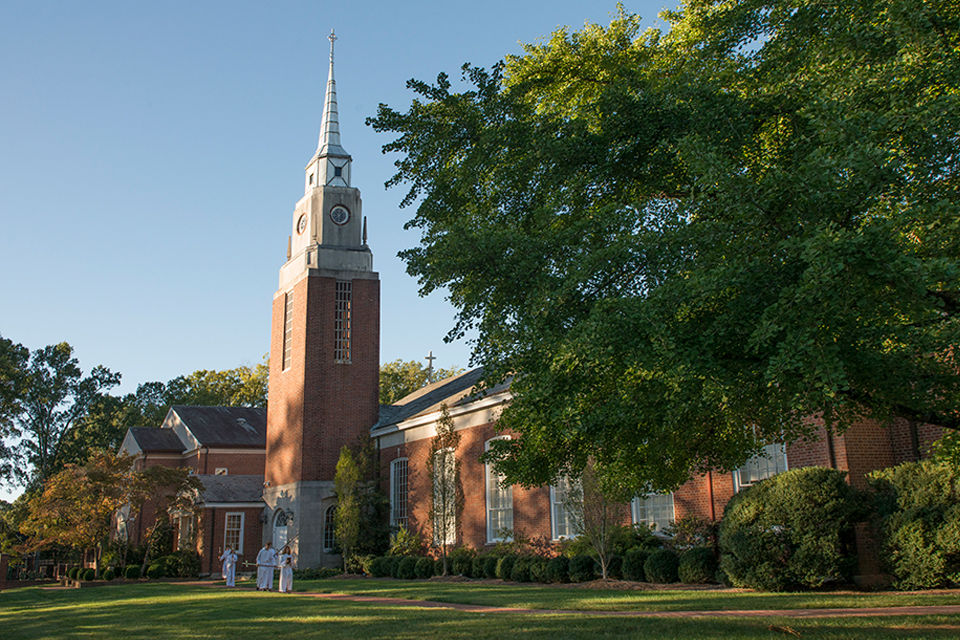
(267,560)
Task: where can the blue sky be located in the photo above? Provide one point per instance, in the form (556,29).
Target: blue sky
(151,154)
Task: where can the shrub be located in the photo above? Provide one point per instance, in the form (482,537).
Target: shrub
(690,532)
(918,521)
(583,568)
(109,575)
(155,571)
(184,564)
(661,567)
(505,567)
(395,566)
(698,566)
(538,570)
(358,564)
(558,569)
(89,575)
(460,560)
(380,567)
(407,568)
(792,530)
(615,567)
(72,572)
(132,572)
(476,569)
(521,569)
(490,567)
(405,543)
(424,568)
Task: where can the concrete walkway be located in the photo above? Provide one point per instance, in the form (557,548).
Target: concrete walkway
(755,613)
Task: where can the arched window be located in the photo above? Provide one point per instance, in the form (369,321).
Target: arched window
(329,529)
(279,529)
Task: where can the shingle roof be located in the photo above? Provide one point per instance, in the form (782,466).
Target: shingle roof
(155,439)
(456,391)
(225,426)
(231,488)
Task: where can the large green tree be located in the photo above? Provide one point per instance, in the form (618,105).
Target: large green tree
(399,379)
(687,242)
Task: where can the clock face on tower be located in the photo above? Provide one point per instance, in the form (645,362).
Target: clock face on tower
(302,224)
(339,214)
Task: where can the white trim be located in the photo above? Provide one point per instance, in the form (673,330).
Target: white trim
(239,549)
(554,505)
(232,505)
(475,414)
(635,505)
(488,471)
(406,497)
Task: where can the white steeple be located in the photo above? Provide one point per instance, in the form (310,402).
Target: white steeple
(330,166)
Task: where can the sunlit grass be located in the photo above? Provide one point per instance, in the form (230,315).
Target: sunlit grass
(199,611)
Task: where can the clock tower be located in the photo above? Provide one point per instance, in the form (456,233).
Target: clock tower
(324,348)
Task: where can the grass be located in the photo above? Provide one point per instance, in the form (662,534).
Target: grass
(188,610)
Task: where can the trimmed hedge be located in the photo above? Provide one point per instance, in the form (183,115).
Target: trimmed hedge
(380,567)
(109,575)
(791,531)
(72,572)
(661,567)
(505,567)
(155,571)
(633,565)
(698,566)
(424,568)
(521,569)
(476,568)
(558,569)
(615,568)
(395,565)
(490,567)
(538,570)
(89,575)
(583,568)
(407,568)
(132,572)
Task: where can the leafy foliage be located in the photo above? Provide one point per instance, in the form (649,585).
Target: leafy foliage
(633,564)
(792,530)
(662,566)
(446,498)
(918,510)
(399,379)
(689,241)
(697,566)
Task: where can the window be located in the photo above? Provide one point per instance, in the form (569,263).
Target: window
(185,532)
(338,172)
(287,329)
(329,529)
(771,461)
(233,532)
(279,530)
(221,471)
(311,178)
(564,500)
(444,497)
(341,322)
(499,502)
(655,510)
(398,492)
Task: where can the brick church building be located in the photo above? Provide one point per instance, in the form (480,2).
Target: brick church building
(269,473)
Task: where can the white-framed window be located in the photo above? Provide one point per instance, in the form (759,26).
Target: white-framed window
(499,501)
(184,532)
(564,499)
(655,510)
(398,492)
(221,471)
(279,529)
(329,528)
(771,461)
(287,329)
(342,321)
(445,497)
(233,532)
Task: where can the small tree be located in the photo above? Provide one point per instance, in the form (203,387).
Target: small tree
(446,499)
(596,512)
(346,519)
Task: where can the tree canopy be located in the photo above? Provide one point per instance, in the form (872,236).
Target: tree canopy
(399,379)
(688,242)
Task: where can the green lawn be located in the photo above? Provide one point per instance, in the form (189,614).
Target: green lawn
(164,610)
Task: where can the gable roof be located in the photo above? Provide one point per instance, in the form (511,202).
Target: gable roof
(153,439)
(456,391)
(222,426)
(227,488)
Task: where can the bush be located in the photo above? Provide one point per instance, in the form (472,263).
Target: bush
(132,572)
(583,568)
(460,561)
(424,568)
(690,532)
(72,572)
(184,564)
(558,569)
(380,567)
(395,566)
(538,570)
(476,569)
(698,566)
(661,567)
(918,522)
(89,575)
(490,567)
(320,573)
(792,530)
(358,564)
(406,543)
(505,567)
(407,568)
(109,575)
(615,567)
(521,569)
(155,571)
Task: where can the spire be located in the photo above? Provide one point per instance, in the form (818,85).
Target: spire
(329,144)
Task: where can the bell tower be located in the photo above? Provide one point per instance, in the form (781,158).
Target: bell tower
(324,348)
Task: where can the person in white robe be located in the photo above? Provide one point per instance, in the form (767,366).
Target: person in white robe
(266,563)
(229,559)
(285,562)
